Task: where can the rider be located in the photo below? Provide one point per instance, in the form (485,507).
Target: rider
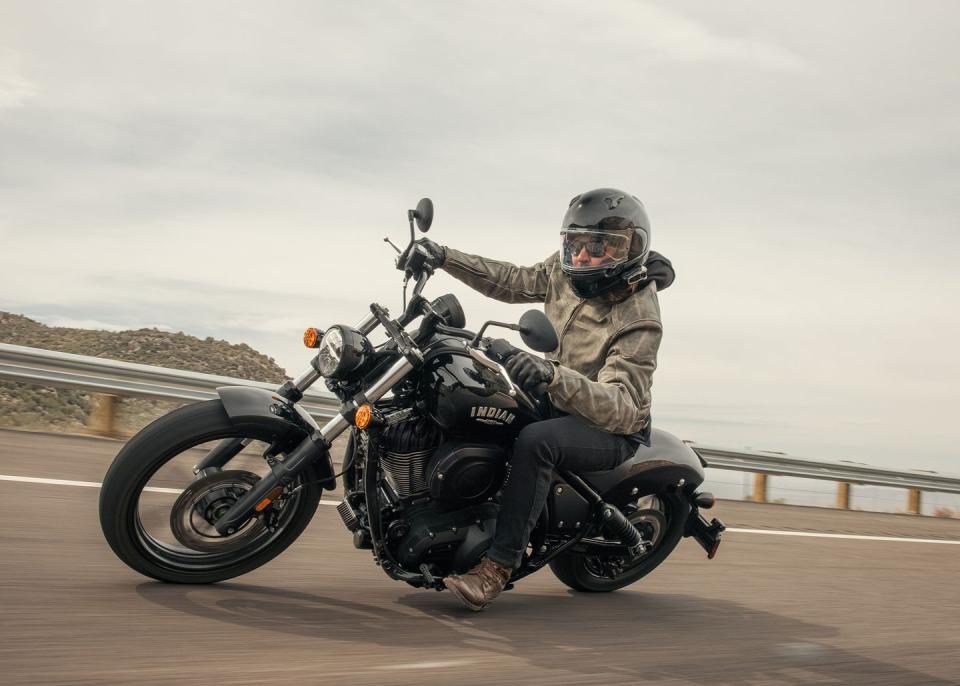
(600,293)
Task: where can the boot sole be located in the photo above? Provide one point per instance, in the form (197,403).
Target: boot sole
(463,600)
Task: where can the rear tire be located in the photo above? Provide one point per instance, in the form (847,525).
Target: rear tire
(574,569)
(143,456)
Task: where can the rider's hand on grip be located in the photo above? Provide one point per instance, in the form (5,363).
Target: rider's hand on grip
(434,254)
(529,371)
(501,350)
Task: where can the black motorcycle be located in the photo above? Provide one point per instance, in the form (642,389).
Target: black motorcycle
(218,488)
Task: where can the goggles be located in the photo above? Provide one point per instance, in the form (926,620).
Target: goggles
(589,249)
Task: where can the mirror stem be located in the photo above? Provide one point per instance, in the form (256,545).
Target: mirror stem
(476,339)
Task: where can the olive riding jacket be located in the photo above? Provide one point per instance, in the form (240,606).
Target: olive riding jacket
(603,367)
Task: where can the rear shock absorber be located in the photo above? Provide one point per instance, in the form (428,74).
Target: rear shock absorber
(612,520)
(616,524)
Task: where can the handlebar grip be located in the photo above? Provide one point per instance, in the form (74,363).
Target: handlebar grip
(500,350)
(540,389)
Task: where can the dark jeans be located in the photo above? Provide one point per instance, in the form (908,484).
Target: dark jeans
(565,443)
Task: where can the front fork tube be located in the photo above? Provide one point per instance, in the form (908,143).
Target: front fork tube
(224,451)
(282,476)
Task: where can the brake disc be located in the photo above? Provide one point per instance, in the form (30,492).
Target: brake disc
(198,508)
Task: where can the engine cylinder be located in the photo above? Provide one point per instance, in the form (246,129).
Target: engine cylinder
(408,447)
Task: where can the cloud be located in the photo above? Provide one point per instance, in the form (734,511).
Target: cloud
(15,88)
(229,168)
(671,35)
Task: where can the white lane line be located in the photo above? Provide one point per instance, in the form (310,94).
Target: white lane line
(85,484)
(733,530)
(95,484)
(51,482)
(427,665)
(854,537)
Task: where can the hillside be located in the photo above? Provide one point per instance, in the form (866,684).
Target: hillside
(38,407)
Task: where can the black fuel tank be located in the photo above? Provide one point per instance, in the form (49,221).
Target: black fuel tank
(467,396)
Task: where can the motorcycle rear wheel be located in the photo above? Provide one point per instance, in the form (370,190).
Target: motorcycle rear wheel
(134,471)
(579,571)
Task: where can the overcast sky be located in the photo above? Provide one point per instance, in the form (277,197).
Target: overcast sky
(229,169)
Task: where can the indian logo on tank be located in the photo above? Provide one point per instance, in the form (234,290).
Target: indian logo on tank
(492,415)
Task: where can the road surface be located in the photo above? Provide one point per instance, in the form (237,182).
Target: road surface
(853,608)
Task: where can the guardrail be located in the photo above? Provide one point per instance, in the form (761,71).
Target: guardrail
(764,464)
(111,378)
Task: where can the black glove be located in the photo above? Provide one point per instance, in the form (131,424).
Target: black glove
(529,370)
(436,254)
(501,350)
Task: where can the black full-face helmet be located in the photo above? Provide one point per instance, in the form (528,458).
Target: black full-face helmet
(606,240)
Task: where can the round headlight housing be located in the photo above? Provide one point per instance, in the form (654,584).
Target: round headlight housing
(342,350)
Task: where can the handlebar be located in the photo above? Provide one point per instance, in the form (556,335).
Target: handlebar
(453,331)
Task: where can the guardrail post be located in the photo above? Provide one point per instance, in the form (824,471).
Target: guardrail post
(913,501)
(759,488)
(843,495)
(101,418)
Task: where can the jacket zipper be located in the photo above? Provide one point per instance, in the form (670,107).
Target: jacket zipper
(566,326)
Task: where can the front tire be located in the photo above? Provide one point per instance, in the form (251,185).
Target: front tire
(145,455)
(580,571)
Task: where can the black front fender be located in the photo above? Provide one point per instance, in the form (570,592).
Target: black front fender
(249,406)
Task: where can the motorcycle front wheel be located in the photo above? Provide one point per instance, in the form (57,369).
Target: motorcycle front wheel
(662,518)
(158,516)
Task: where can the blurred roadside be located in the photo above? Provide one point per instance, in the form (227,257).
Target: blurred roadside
(46,408)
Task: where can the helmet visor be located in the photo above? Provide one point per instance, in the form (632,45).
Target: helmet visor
(589,250)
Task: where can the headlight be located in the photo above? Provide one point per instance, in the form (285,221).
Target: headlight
(342,350)
(331,349)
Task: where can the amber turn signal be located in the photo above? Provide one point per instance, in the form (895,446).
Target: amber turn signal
(363,416)
(275,493)
(311,337)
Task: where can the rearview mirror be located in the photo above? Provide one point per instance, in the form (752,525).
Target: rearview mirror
(537,332)
(424,214)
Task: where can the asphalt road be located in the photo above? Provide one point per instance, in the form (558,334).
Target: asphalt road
(771,609)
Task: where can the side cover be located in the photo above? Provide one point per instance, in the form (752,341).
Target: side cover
(650,470)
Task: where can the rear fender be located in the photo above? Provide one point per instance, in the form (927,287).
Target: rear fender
(667,463)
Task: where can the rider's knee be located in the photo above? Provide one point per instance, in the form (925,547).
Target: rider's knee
(535,442)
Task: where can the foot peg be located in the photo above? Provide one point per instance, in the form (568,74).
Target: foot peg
(348,516)
(428,575)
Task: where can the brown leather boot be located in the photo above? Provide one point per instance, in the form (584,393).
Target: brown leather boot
(477,588)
